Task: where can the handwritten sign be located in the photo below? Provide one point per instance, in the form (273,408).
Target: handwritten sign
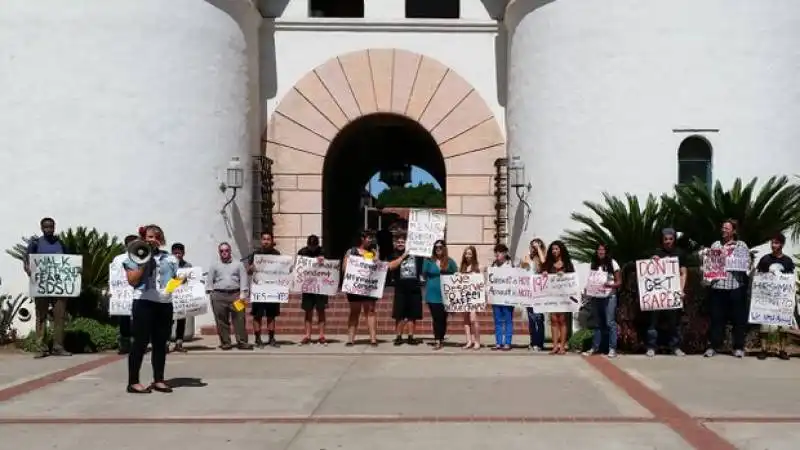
(272,278)
(659,284)
(425,227)
(555,293)
(121,291)
(714,264)
(772,299)
(596,284)
(737,259)
(464,292)
(55,275)
(364,277)
(314,277)
(189,299)
(509,285)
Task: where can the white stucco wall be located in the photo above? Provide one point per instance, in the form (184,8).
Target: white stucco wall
(597,88)
(118,113)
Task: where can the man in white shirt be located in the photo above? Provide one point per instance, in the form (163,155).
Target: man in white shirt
(124,321)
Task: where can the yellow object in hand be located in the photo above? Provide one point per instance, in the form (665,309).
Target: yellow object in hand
(173,284)
(238,305)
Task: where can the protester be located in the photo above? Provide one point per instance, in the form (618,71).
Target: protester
(227,283)
(533,261)
(367,249)
(469,264)
(775,262)
(179,252)
(558,260)
(124,338)
(311,302)
(503,314)
(406,272)
(262,310)
(604,304)
(439,264)
(48,244)
(671,317)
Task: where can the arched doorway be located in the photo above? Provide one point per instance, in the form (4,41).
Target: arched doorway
(378,108)
(372,143)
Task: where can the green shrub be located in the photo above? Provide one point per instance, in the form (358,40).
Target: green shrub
(581,340)
(81,335)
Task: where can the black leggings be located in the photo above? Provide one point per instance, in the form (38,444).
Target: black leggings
(151,322)
(439,318)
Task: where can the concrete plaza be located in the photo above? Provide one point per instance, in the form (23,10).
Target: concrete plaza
(334,397)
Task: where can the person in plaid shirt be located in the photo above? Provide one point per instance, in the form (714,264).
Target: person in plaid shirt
(728,297)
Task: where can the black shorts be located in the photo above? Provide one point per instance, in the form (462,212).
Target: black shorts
(407,304)
(360,298)
(310,302)
(268,310)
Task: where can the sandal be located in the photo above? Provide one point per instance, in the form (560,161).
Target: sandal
(133,390)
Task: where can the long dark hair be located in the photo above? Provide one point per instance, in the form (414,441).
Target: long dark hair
(445,261)
(550,260)
(605,263)
(472,266)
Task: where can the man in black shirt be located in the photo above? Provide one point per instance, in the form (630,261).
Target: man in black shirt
(775,262)
(179,251)
(261,310)
(404,271)
(311,302)
(672,317)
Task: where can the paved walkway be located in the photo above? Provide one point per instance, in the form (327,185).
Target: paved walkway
(312,398)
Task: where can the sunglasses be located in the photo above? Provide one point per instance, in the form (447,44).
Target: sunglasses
(225,250)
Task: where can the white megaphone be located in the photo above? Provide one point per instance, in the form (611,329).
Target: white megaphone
(140,252)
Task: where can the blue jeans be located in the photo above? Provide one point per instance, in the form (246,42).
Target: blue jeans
(672,317)
(536,328)
(503,323)
(605,309)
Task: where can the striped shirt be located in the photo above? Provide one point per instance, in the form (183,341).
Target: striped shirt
(732,280)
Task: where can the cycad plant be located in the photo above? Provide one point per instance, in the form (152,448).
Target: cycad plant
(629,229)
(98,251)
(762,212)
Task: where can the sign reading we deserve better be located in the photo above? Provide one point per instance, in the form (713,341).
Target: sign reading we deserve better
(121,292)
(555,293)
(464,292)
(509,286)
(772,299)
(272,278)
(425,227)
(659,284)
(364,277)
(314,277)
(189,299)
(55,275)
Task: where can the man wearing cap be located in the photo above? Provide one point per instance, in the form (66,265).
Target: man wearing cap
(672,317)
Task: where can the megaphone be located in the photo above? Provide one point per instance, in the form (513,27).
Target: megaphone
(140,252)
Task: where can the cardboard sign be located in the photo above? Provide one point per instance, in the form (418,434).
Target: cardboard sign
(737,259)
(714,265)
(464,292)
(189,299)
(772,299)
(121,292)
(364,277)
(509,286)
(55,275)
(659,284)
(425,227)
(271,279)
(314,277)
(596,284)
(555,293)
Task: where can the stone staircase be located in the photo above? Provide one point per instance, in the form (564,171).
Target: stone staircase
(291,319)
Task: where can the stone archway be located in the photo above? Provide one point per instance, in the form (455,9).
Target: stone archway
(366,82)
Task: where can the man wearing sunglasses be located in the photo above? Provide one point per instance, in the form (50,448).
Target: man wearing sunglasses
(226,283)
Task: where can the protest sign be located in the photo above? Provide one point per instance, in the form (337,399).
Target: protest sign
(364,277)
(314,277)
(772,299)
(659,284)
(189,299)
(555,293)
(737,259)
(464,292)
(714,264)
(509,286)
(425,227)
(55,275)
(271,279)
(121,292)
(596,284)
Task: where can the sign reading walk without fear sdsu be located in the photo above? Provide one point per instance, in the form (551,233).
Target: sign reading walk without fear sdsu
(55,275)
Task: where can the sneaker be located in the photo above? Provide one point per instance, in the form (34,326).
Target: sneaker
(244,346)
(678,352)
(536,348)
(179,347)
(398,341)
(738,353)
(273,343)
(591,352)
(762,355)
(710,353)
(612,353)
(650,353)
(259,342)
(323,341)
(226,347)
(784,355)
(305,341)
(59,351)
(412,341)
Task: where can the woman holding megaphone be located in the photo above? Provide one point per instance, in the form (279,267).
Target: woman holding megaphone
(153,274)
